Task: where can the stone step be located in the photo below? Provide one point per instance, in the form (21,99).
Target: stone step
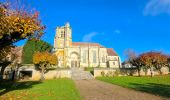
(80,74)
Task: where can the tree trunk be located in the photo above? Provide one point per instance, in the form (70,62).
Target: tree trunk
(2,72)
(139,72)
(13,75)
(3,66)
(146,70)
(42,74)
(151,70)
(160,72)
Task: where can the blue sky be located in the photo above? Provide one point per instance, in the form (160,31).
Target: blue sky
(142,25)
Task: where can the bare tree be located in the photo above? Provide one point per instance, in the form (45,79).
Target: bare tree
(134,60)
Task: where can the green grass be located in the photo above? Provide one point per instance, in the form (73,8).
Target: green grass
(158,85)
(88,68)
(59,89)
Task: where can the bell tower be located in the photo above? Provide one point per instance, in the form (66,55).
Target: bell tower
(63,37)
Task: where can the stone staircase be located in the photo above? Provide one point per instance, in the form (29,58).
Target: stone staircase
(80,74)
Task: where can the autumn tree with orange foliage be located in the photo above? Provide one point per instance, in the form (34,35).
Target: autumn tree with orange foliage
(15,25)
(155,60)
(168,62)
(44,60)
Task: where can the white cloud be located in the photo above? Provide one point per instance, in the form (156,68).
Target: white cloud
(89,37)
(156,7)
(117,31)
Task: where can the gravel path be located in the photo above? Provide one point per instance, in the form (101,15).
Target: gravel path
(98,90)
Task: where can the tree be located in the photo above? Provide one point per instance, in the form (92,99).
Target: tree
(155,60)
(148,60)
(138,63)
(161,61)
(11,59)
(134,60)
(16,25)
(33,46)
(44,60)
(169,62)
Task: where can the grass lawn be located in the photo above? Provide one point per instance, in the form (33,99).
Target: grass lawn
(59,89)
(158,85)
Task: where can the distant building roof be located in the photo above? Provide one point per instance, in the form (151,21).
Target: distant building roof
(111,52)
(86,44)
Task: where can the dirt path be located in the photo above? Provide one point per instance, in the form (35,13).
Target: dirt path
(98,90)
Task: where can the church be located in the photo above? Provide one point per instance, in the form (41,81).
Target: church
(81,54)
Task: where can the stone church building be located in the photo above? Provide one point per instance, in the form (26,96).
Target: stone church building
(82,54)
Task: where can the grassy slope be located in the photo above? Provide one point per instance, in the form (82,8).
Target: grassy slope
(60,89)
(158,85)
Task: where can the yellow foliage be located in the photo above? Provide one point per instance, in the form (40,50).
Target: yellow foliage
(17,25)
(60,53)
(44,59)
(4,52)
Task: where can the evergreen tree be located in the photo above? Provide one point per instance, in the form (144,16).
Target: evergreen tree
(33,46)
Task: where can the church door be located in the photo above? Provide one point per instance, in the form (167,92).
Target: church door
(74,60)
(74,63)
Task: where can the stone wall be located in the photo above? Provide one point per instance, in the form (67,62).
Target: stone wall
(52,74)
(126,72)
(106,71)
(133,72)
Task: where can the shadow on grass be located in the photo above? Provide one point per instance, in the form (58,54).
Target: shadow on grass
(7,86)
(157,89)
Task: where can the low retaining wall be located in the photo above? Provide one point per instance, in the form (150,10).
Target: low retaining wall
(104,72)
(126,72)
(52,74)
(133,72)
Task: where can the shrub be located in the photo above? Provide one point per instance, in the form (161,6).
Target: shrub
(110,74)
(103,73)
(117,72)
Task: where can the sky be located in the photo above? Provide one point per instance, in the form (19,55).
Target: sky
(141,25)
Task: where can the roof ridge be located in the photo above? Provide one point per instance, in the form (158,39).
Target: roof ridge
(88,43)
